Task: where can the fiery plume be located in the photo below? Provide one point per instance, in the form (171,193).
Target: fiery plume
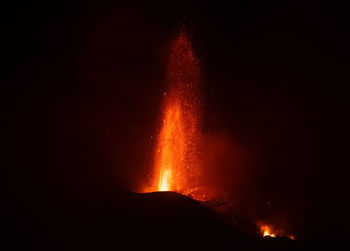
(176,162)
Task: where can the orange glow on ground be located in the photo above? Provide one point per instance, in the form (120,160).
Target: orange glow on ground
(290,236)
(176,151)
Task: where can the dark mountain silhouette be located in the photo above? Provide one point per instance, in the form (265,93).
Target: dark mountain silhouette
(131,221)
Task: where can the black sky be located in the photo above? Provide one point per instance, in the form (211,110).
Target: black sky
(82,86)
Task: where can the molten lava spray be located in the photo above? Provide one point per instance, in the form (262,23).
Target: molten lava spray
(176,161)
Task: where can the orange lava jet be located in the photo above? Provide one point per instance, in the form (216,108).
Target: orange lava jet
(176,153)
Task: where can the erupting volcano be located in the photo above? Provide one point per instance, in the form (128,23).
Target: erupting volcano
(177,163)
(176,160)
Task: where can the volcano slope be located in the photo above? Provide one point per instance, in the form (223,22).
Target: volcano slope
(152,221)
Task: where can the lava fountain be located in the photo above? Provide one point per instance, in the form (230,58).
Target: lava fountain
(176,158)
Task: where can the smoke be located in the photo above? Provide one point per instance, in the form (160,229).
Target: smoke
(226,164)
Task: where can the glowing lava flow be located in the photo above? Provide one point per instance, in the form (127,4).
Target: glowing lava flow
(176,155)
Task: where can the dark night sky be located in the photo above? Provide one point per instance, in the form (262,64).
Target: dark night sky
(82,86)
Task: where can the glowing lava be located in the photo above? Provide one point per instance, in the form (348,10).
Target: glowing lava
(271,231)
(176,153)
(164,181)
(267,231)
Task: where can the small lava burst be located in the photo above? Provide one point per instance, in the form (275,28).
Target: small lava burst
(271,231)
(176,158)
(267,231)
